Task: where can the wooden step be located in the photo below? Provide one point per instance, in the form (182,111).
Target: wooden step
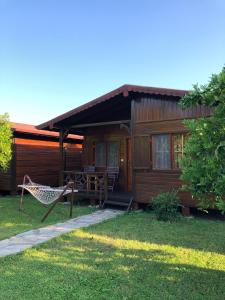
(119,199)
(116,203)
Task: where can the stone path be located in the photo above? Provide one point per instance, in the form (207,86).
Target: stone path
(28,239)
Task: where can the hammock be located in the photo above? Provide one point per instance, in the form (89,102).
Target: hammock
(46,194)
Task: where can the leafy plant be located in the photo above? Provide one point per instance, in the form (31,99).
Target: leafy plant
(5,142)
(203,164)
(165,206)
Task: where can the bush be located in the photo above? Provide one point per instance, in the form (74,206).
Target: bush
(5,142)
(165,206)
(203,163)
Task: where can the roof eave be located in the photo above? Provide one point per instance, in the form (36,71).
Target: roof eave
(124,89)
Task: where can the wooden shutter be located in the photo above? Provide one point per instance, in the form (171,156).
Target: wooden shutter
(141,152)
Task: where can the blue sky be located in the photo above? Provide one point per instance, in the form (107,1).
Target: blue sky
(58,54)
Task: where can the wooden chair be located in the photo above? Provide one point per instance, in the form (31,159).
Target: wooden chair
(89,168)
(113,176)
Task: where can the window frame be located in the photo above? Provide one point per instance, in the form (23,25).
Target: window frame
(104,165)
(154,152)
(107,147)
(183,135)
(172,156)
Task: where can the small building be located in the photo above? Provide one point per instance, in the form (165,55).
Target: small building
(36,153)
(137,129)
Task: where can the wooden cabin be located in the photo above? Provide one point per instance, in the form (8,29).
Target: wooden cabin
(137,129)
(36,153)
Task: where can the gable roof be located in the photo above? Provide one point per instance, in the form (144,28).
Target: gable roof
(123,90)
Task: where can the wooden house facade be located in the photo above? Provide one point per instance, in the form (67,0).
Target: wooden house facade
(36,153)
(137,129)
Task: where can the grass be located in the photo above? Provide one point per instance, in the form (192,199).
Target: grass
(13,221)
(130,257)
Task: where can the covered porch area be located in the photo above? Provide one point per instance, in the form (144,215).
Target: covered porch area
(106,169)
(106,174)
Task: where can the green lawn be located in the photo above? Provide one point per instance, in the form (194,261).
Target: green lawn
(130,257)
(13,221)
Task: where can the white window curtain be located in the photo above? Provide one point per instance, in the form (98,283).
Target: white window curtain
(113,154)
(161,152)
(100,155)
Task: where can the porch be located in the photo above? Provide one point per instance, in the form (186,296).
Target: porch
(105,125)
(99,187)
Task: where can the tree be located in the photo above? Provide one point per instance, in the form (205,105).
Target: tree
(5,142)
(203,164)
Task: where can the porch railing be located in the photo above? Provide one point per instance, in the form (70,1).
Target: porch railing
(89,183)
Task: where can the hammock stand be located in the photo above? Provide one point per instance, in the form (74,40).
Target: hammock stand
(46,194)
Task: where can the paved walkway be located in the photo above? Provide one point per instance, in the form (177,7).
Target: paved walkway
(28,239)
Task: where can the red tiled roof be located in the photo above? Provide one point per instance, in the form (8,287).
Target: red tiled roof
(27,128)
(125,90)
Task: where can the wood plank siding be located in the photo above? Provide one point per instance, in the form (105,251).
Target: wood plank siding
(5,180)
(157,116)
(40,160)
(162,109)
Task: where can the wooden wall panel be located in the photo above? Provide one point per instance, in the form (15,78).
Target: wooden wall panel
(40,160)
(149,184)
(157,116)
(148,128)
(73,158)
(141,154)
(152,109)
(5,181)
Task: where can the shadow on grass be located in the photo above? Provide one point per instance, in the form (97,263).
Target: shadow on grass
(196,234)
(82,265)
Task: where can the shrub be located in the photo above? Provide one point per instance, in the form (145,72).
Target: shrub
(165,206)
(203,163)
(5,142)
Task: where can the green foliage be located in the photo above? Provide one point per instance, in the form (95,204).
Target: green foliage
(165,206)
(203,165)
(5,142)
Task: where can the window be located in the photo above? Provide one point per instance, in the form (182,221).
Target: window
(100,155)
(113,154)
(161,152)
(107,154)
(178,141)
(167,149)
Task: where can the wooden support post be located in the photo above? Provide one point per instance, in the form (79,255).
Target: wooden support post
(51,208)
(132,150)
(25,178)
(68,186)
(21,200)
(13,187)
(62,136)
(71,199)
(106,186)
